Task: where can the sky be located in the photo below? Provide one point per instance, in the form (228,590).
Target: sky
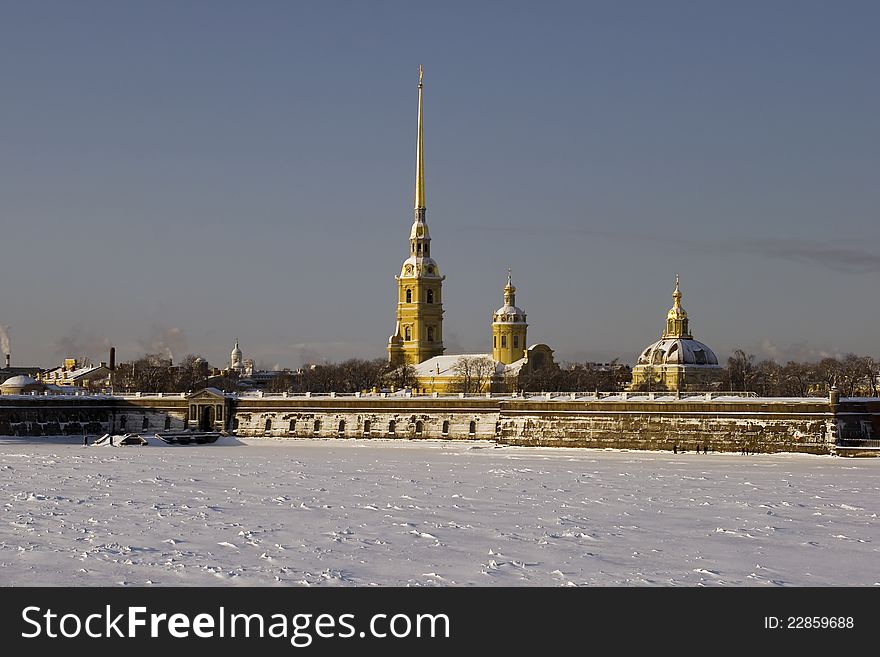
(175,175)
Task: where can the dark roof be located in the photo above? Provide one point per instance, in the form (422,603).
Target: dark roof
(9,372)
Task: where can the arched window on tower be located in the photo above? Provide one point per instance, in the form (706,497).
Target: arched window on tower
(494,341)
(408,295)
(515,341)
(430,334)
(427,250)
(503,341)
(418,249)
(407,333)
(430,296)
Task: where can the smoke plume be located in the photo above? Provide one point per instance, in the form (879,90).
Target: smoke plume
(4,340)
(165,341)
(79,343)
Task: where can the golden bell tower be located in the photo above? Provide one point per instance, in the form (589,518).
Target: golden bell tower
(677,317)
(418,334)
(509,328)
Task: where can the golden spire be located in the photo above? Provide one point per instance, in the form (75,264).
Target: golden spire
(420,156)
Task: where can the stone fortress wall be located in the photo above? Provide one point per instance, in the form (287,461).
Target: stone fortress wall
(646,421)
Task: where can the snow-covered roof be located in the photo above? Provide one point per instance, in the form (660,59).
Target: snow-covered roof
(72,375)
(678,351)
(515,366)
(445,365)
(19,381)
(418,266)
(510,315)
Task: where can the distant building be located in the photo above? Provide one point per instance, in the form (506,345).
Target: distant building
(246,372)
(9,372)
(74,373)
(677,361)
(21,384)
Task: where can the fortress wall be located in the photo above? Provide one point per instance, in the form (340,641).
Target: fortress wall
(167,411)
(759,424)
(297,417)
(37,415)
(751,424)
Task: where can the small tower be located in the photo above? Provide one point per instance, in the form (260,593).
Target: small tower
(509,328)
(235,360)
(677,317)
(418,333)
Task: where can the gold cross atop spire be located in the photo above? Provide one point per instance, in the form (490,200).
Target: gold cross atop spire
(420,156)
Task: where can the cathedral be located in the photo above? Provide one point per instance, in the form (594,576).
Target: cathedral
(676,361)
(418,334)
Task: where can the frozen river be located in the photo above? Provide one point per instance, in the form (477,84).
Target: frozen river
(361,512)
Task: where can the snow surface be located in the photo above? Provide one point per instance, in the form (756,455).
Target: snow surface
(372,512)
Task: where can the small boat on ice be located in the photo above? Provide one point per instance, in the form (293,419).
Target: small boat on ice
(118,440)
(186,437)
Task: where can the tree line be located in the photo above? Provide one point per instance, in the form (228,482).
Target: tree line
(155,373)
(853,375)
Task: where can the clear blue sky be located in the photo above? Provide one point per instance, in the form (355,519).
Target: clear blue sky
(192,172)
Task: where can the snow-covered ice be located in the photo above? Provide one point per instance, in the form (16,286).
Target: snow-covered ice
(421,513)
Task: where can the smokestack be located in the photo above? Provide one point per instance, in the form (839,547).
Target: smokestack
(112,358)
(7,361)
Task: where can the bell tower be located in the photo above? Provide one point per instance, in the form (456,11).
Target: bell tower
(418,333)
(677,317)
(509,328)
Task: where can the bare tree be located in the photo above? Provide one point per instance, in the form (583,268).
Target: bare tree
(741,370)
(150,373)
(873,367)
(473,373)
(828,372)
(797,379)
(855,375)
(281,382)
(191,374)
(401,377)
